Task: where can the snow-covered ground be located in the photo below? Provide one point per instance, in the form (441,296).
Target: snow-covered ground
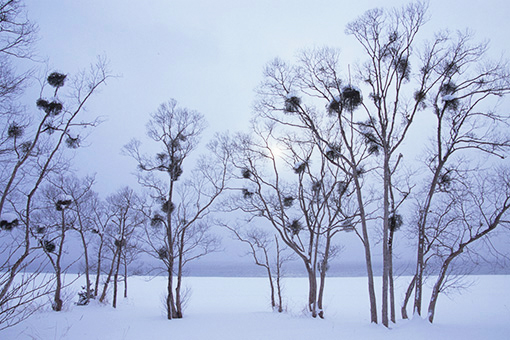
(238,308)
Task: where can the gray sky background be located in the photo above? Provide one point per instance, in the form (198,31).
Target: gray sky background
(208,55)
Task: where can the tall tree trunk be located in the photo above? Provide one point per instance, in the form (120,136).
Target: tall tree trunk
(323,272)
(366,247)
(392,286)
(125,278)
(87,271)
(98,269)
(278,277)
(57,300)
(271,285)
(170,305)
(108,277)
(386,255)
(116,276)
(58,303)
(407,297)
(312,290)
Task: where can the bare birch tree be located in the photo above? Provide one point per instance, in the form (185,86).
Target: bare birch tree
(180,223)
(267,253)
(33,152)
(306,212)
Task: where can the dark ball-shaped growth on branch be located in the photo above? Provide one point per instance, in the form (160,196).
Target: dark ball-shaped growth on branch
(292,103)
(246,173)
(14,131)
(351,97)
(49,246)
(395,222)
(8,225)
(288,201)
(56,79)
(167,207)
(62,204)
(53,108)
(295,227)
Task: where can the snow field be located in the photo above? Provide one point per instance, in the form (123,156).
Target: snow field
(238,308)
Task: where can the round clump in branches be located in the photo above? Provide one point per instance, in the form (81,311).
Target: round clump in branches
(295,227)
(49,246)
(292,103)
(162,253)
(8,225)
(335,105)
(395,221)
(120,243)
(403,67)
(247,193)
(333,152)
(14,131)
(62,204)
(246,173)
(157,221)
(53,108)
(73,142)
(351,97)
(167,207)
(300,167)
(288,201)
(56,79)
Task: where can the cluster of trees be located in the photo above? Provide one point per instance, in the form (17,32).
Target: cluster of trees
(350,143)
(326,154)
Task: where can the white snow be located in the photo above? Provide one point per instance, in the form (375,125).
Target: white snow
(238,308)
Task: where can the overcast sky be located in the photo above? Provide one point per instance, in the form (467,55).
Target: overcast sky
(208,55)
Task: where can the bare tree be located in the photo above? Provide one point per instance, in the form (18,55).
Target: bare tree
(126,219)
(306,212)
(81,194)
(267,253)
(464,84)
(289,96)
(478,206)
(53,221)
(33,152)
(101,218)
(180,222)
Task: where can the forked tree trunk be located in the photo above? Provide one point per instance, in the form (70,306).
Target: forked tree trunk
(108,278)
(312,291)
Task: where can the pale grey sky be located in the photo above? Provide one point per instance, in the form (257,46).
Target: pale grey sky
(208,55)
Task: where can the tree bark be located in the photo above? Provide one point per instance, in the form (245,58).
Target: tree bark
(407,297)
